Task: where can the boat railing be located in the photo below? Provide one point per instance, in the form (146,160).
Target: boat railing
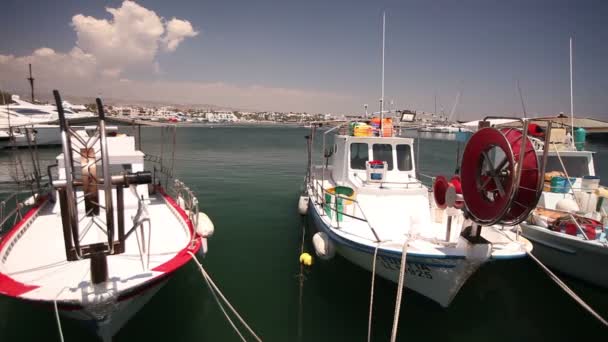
(407,184)
(319,196)
(187,200)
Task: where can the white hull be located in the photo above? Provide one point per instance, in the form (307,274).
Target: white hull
(439,279)
(107,320)
(47,135)
(568,254)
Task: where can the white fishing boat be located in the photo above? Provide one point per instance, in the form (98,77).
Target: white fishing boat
(366,200)
(568,229)
(107,235)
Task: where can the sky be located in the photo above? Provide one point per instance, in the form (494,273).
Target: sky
(315,55)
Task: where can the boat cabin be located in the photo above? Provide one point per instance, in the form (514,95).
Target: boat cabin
(373,161)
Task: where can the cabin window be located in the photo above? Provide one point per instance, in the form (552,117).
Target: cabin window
(28,111)
(359,154)
(404,158)
(384,152)
(576,166)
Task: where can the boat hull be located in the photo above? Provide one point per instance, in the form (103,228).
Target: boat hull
(568,254)
(107,320)
(438,279)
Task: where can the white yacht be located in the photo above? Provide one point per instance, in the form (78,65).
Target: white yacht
(37,118)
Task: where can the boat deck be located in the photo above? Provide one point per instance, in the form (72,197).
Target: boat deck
(34,256)
(397,214)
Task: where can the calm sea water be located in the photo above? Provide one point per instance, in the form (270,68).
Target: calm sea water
(248,181)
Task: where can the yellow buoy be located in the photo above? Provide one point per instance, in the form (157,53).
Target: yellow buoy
(305,259)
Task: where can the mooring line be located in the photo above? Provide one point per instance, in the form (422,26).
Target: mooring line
(399,290)
(213,288)
(301,290)
(569,291)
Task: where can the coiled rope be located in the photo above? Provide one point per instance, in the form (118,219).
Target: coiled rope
(216,291)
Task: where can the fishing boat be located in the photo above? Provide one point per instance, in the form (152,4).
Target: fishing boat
(569,226)
(105,237)
(368,205)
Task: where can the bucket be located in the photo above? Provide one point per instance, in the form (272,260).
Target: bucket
(590,183)
(561,185)
(579,138)
(341,202)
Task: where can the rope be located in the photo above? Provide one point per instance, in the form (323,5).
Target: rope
(213,288)
(563,285)
(569,291)
(399,291)
(301,289)
(58,320)
(371,295)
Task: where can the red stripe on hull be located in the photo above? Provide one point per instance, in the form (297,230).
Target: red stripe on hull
(9,286)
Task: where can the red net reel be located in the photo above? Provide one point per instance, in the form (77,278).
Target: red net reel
(492,189)
(440,188)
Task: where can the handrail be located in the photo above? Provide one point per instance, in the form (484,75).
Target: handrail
(335,209)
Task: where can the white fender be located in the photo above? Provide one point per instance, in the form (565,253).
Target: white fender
(205,227)
(303,205)
(324,248)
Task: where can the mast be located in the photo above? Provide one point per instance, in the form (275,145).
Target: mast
(382,96)
(31,79)
(571,93)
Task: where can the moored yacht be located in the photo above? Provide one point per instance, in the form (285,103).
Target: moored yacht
(19,116)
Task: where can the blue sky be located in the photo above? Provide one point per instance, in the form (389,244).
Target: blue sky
(325,55)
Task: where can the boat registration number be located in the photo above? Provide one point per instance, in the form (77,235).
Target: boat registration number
(412,268)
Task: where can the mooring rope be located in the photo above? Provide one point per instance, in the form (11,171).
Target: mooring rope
(561,283)
(569,291)
(58,320)
(301,290)
(399,290)
(213,288)
(371,295)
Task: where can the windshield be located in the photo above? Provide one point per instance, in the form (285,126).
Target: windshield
(358,156)
(576,166)
(404,158)
(384,152)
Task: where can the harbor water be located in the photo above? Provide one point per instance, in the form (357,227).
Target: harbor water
(248,180)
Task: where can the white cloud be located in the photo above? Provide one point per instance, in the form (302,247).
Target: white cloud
(130,39)
(109,51)
(177,31)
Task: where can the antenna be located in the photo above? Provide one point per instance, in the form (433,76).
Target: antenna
(31,79)
(382,97)
(571,92)
(521,97)
(455,104)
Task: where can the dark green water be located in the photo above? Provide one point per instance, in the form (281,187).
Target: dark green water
(248,181)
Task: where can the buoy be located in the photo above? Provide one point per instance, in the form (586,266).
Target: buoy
(324,248)
(205,227)
(303,205)
(306,259)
